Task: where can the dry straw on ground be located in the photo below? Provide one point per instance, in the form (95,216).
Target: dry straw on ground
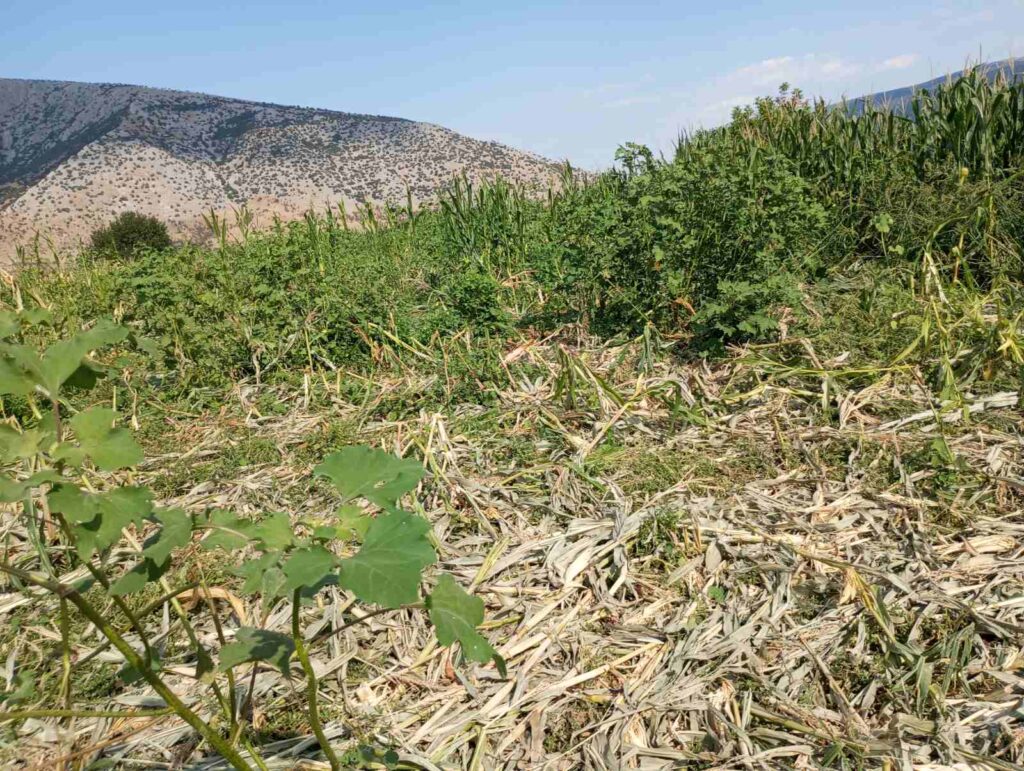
(770,578)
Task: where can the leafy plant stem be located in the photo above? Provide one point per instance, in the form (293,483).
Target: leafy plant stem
(232,694)
(168,596)
(102,579)
(311,684)
(63,591)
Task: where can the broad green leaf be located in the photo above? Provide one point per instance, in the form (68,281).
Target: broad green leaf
(85,377)
(135,580)
(386,570)
(37,315)
(228,531)
(97,520)
(130,675)
(307,568)
(13,377)
(63,358)
(175,532)
(76,506)
(353,522)
(9,323)
(258,645)
(455,615)
(110,448)
(16,445)
(254,570)
(274,532)
(12,490)
(204,664)
(377,476)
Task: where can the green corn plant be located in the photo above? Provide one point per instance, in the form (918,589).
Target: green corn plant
(58,464)
(487,222)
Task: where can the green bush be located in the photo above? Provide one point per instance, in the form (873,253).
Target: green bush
(129,234)
(660,240)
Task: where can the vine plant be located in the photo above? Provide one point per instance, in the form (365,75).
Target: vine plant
(52,455)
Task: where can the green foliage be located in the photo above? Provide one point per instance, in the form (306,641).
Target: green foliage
(386,570)
(745,310)
(292,564)
(109,448)
(373,474)
(258,645)
(456,615)
(129,234)
(659,241)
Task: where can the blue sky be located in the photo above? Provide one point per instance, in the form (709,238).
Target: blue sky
(568,80)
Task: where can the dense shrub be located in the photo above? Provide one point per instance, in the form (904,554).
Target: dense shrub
(129,234)
(660,240)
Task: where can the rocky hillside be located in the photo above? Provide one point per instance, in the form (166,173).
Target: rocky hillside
(73,155)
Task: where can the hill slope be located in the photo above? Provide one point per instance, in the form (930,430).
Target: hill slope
(74,154)
(899,98)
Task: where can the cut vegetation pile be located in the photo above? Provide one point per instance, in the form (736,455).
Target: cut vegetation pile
(738,477)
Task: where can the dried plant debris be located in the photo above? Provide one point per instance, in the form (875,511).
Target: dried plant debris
(745,565)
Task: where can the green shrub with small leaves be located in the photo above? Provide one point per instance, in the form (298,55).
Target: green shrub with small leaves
(372,547)
(129,234)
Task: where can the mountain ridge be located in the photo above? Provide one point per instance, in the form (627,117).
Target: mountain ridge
(73,155)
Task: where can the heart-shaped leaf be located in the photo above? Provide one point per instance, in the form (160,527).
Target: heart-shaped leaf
(254,570)
(353,522)
(17,445)
(455,615)
(386,570)
(63,358)
(274,532)
(12,490)
(373,474)
(15,377)
(258,645)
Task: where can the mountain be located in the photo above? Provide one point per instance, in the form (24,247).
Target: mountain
(74,155)
(898,99)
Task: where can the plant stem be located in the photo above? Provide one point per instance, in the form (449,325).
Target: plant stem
(63,591)
(232,693)
(141,614)
(101,577)
(311,684)
(65,644)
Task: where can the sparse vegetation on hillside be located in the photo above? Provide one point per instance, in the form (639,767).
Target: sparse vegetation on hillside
(726,445)
(177,155)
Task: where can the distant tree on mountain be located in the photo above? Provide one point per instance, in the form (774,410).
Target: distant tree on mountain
(129,233)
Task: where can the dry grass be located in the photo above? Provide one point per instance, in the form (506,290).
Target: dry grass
(745,566)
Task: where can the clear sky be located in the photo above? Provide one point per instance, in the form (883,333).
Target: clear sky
(565,79)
